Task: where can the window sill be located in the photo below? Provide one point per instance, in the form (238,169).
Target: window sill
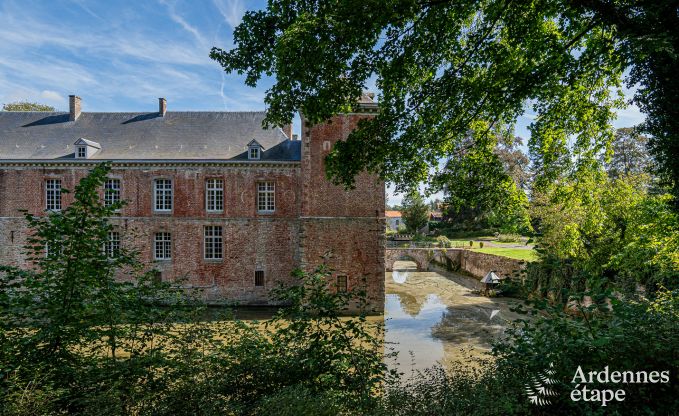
(216,261)
(266,212)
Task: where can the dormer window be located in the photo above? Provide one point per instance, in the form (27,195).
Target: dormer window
(85,149)
(254,150)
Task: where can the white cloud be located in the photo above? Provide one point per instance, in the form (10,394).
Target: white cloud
(231,10)
(177,18)
(51,96)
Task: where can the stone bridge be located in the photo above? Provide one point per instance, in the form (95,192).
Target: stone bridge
(454,259)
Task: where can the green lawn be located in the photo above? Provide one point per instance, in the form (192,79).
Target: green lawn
(513,253)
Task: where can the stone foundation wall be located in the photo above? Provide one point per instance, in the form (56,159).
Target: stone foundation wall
(457,259)
(479,264)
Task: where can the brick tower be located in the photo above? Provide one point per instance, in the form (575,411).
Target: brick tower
(347,223)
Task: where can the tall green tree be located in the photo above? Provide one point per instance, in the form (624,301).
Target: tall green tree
(443,66)
(479,185)
(630,153)
(414,211)
(26,106)
(70,307)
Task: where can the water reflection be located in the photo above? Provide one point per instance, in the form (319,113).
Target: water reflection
(434,317)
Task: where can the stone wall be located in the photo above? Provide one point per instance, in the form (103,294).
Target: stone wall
(479,264)
(456,259)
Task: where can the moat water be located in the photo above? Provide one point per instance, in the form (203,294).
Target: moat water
(436,317)
(431,317)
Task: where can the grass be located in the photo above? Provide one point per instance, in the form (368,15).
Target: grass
(512,253)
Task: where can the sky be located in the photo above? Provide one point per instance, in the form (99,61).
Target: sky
(123,55)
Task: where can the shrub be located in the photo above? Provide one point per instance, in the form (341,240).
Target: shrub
(508,238)
(444,242)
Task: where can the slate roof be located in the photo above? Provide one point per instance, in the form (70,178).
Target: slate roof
(142,136)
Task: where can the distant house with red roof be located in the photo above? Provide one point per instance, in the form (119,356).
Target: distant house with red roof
(394,219)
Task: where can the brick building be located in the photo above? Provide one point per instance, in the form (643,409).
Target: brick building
(212,197)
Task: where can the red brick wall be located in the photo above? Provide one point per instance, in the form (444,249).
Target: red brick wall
(252,241)
(347,223)
(322,198)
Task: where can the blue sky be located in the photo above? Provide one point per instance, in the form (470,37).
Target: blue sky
(123,55)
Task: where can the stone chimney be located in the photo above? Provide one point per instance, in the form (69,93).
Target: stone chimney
(73,107)
(162,106)
(287,129)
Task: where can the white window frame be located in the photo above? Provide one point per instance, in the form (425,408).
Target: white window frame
(53,195)
(213,242)
(162,246)
(257,153)
(112,193)
(112,244)
(160,194)
(214,195)
(266,197)
(81,152)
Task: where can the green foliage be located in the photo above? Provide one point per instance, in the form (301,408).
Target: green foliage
(650,253)
(629,154)
(479,190)
(444,241)
(443,66)
(636,335)
(26,106)
(414,211)
(68,309)
(602,231)
(75,338)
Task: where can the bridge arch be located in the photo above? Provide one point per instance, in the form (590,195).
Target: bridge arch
(423,257)
(420,257)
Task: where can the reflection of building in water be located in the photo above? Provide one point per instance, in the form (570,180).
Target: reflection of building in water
(438,317)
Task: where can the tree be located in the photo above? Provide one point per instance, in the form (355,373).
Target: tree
(26,106)
(414,211)
(514,160)
(444,66)
(630,153)
(69,308)
(435,204)
(478,186)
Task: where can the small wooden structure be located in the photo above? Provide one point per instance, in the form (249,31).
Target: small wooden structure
(490,281)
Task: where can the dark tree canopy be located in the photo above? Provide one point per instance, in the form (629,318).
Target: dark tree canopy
(26,106)
(630,153)
(445,68)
